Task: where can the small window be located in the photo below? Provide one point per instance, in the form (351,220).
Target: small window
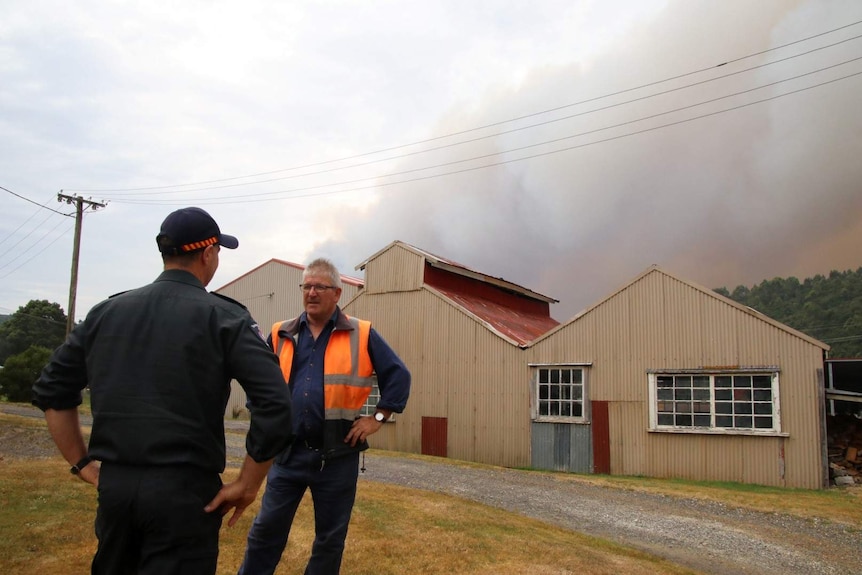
(559,393)
(715,401)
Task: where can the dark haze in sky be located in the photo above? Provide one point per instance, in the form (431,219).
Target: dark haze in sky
(772,189)
(565,146)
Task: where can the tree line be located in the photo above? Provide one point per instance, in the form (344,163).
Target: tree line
(828,308)
(27,339)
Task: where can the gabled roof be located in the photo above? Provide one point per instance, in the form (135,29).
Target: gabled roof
(460,269)
(345,279)
(519,326)
(514,312)
(711,293)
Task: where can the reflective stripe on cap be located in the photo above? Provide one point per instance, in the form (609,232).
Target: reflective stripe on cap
(198,245)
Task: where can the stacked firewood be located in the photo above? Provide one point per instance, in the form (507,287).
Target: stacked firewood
(845,449)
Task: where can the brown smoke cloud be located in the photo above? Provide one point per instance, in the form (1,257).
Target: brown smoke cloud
(768,190)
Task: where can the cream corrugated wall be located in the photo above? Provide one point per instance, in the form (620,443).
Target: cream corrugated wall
(479,382)
(396,269)
(461,371)
(271,293)
(662,323)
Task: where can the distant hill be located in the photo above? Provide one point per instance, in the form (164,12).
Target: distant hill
(826,308)
(4,317)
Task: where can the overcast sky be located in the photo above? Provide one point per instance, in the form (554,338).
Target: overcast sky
(562,145)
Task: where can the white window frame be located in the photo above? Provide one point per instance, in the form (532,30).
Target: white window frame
(370,405)
(714,401)
(576,388)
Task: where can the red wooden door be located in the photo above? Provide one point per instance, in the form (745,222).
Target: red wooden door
(601,437)
(434,437)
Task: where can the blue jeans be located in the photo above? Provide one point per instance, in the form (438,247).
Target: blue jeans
(333,491)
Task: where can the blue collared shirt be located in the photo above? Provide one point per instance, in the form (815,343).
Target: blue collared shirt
(306,374)
(307,381)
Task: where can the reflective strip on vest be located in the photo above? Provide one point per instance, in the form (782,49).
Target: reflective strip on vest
(347,376)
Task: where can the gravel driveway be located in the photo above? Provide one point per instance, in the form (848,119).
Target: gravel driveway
(708,537)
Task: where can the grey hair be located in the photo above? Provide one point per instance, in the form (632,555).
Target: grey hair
(323,266)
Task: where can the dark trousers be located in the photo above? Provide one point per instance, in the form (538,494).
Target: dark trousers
(151,521)
(333,491)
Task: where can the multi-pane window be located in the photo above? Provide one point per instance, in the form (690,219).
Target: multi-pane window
(560,392)
(371,403)
(721,401)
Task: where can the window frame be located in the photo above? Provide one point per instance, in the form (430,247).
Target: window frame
(370,405)
(753,371)
(584,402)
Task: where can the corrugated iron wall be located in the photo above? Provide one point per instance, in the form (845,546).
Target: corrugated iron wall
(480,383)
(270,293)
(396,269)
(662,323)
(461,371)
(562,447)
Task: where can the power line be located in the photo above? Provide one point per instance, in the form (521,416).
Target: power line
(828,328)
(509,131)
(842,339)
(32,245)
(16,230)
(39,317)
(10,272)
(32,202)
(13,246)
(470,130)
(247,197)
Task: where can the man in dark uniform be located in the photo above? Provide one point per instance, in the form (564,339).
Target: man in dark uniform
(158,361)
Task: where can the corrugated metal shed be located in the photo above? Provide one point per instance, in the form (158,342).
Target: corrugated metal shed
(660,322)
(470,340)
(461,333)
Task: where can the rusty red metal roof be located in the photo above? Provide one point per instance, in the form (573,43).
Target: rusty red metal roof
(521,325)
(515,312)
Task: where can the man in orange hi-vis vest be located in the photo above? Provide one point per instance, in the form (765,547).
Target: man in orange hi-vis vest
(329,361)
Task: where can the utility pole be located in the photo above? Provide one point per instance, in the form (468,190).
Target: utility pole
(76,250)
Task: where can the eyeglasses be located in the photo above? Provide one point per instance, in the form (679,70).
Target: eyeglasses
(316,287)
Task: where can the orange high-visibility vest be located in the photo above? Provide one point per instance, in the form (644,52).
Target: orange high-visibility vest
(347,369)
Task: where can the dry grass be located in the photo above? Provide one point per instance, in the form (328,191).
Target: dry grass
(47,526)
(397,530)
(46,519)
(46,522)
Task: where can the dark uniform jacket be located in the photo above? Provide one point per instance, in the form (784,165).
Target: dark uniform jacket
(159,361)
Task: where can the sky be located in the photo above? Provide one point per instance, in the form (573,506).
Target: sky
(565,146)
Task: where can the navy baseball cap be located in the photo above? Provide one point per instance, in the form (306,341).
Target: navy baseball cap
(190,229)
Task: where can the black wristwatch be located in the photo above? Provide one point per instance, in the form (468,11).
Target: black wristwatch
(76,469)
